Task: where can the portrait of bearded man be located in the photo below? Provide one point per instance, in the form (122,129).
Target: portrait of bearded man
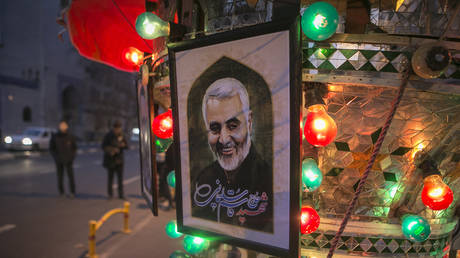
(237,187)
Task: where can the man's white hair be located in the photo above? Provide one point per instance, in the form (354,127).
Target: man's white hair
(226,88)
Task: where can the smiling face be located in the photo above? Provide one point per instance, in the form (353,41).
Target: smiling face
(229,130)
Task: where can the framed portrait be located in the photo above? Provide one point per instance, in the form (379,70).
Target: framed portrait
(236,108)
(147,151)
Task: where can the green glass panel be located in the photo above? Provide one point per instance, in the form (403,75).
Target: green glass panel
(390,54)
(389,176)
(348,52)
(346,66)
(375,135)
(355,186)
(326,65)
(368,54)
(389,68)
(342,146)
(308,65)
(367,67)
(327,52)
(334,172)
(401,151)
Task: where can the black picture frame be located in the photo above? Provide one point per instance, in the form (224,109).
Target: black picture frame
(148,151)
(293,27)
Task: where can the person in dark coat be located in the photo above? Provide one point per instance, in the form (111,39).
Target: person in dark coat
(63,148)
(113,145)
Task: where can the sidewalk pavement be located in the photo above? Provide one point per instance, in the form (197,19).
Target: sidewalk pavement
(148,239)
(5,155)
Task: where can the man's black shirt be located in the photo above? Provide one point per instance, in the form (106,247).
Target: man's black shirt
(243,197)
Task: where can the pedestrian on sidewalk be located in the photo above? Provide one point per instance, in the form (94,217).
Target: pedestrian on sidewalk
(113,145)
(63,148)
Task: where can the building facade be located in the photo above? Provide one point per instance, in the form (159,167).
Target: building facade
(43,79)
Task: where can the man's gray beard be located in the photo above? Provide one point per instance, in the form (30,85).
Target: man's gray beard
(242,151)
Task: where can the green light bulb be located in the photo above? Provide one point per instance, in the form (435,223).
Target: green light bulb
(171,229)
(171,178)
(162,145)
(319,21)
(415,228)
(194,245)
(150,26)
(311,175)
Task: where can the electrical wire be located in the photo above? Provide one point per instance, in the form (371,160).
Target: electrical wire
(158,59)
(375,152)
(132,26)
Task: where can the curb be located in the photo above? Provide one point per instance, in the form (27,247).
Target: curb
(9,156)
(6,156)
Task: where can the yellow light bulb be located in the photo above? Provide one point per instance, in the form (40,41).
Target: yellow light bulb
(420,146)
(319,124)
(417,149)
(166,123)
(436,192)
(135,57)
(303,218)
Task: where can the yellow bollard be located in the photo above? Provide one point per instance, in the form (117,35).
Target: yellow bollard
(95,225)
(92,239)
(126,229)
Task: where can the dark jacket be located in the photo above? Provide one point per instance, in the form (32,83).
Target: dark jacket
(63,147)
(243,199)
(113,147)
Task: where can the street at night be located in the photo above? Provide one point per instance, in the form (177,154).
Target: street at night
(230,128)
(36,222)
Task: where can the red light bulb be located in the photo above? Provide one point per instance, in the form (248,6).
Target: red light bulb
(320,129)
(309,220)
(162,125)
(132,56)
(301,129)
(436,195)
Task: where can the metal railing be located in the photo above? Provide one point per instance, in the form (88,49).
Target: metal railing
(95,225)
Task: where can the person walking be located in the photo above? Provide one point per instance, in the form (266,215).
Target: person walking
(113,145)
(63,148)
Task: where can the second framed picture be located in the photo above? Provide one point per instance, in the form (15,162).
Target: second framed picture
(236,103)
(147,164)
